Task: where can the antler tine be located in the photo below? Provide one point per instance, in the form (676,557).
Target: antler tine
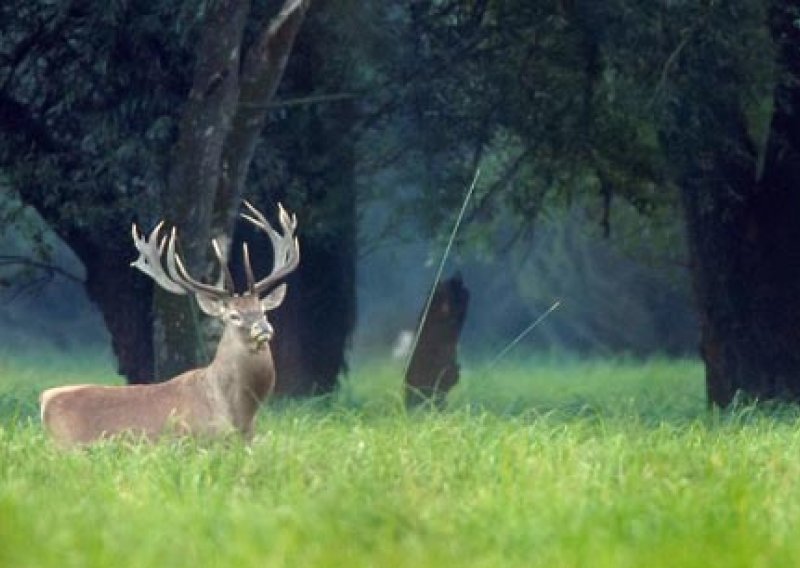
(176,278)
(149,260)
(285,246)
(261,222)
(248,268)
(223,265)
(179,274)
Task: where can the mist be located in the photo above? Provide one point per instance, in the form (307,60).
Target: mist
(620,295)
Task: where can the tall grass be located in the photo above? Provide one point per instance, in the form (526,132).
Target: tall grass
(23,375)
(539,463)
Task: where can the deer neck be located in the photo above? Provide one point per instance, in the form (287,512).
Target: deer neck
(239,377)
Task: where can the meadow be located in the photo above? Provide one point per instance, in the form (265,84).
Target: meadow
(539,462)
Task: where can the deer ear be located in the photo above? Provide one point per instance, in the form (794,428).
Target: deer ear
(274,298)
(210,306)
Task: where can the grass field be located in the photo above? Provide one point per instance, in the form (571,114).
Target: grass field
(538,463)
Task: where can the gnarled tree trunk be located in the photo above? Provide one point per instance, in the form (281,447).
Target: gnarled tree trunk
(316,320)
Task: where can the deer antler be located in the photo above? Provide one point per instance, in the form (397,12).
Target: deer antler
(178,281)
(286,247)
(176,278)
(149,261)
(178,273)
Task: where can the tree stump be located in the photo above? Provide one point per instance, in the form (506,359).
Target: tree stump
(433,369)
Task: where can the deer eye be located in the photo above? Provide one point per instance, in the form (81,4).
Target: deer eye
(235,318)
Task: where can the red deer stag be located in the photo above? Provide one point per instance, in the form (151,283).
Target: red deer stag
(204,402)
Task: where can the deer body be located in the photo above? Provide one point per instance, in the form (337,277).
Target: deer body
(210,401)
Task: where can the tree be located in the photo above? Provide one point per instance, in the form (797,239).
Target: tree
(91,137)
(218,131)
(741,201)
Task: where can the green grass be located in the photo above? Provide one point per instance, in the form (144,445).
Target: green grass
(538,463)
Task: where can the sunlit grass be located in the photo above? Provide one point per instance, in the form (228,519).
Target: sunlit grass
(545,463)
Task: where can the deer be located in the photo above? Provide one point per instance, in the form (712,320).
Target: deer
(206,402)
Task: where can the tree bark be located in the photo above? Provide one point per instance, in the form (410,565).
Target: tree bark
(262,71)
(192,181)
(124,297)
(433,370)
(744,236)
(218,134)
(315,323)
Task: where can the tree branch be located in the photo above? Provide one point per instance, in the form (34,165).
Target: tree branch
(302,101)
(262,70)
(27,262)
(672,59)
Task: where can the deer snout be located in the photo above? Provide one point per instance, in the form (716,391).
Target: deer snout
(261,332)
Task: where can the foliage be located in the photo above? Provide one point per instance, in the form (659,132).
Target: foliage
(92,139)
(557,102)
(526,91)
(560,103)
(596,482)
(558,98)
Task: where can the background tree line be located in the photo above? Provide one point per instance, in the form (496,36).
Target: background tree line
(680,111)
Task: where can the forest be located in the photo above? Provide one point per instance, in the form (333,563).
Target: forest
(597,199)
(370,124)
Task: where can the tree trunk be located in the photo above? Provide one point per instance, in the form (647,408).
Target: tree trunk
(745,252)
(262,70)
(314,324)
(124,297)
(195,169)
(744,235)
(433,369)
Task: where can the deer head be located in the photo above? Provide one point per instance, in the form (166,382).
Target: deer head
(245,312)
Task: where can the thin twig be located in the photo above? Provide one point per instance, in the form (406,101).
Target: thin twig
(302,101)
(673,59)
(440,269)
(14,260)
